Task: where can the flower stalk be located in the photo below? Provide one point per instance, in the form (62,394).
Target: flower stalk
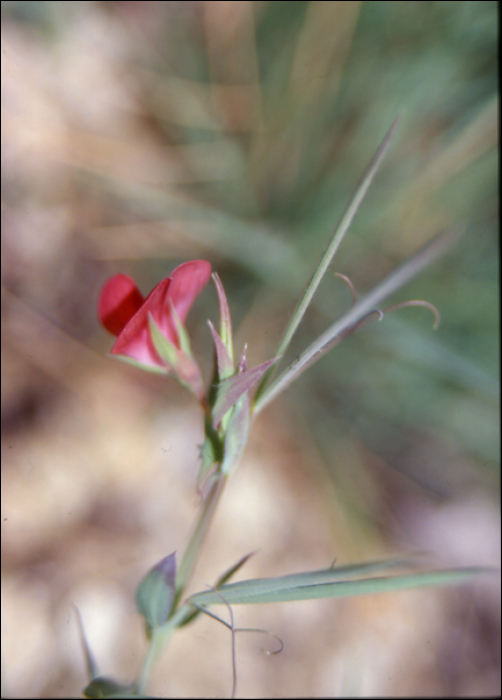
(199,534)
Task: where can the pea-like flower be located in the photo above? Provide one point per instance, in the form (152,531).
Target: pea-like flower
(150,332)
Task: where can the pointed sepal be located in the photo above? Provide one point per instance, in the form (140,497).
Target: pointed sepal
(211,450)
(225,320)
(224,362)
(237,432)
(179,362)
(139,365)
(230,390)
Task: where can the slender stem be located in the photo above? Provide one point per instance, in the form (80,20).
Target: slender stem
(192,551)
(158,640)
(160,635)
(389,285)
(340,230)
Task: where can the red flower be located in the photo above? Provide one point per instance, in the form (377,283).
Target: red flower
(123,311)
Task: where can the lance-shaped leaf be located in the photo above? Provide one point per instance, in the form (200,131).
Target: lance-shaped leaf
(340,230)
(317,585)
(390,284)
(230,390)
(222,579)
(155,593)
(341,573)
(227,575)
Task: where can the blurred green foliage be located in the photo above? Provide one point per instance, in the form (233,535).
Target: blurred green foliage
(138,135)
(275,108)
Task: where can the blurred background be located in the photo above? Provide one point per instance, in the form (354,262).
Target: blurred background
(137,135)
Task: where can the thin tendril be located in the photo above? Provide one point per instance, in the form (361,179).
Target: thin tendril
(366,317)
(230,627)
(234,629)
(417,302)
(271,634)
(349,285)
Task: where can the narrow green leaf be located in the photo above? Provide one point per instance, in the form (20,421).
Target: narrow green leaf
(310,578)
(341,229)
(244,592)
(233,570)
(396,279)
(307,577)
(223,579)
(329,575)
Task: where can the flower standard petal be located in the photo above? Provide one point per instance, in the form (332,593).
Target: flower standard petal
(186,283)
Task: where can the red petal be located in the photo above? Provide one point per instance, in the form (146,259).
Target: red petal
(119,300)
(187,282)
(135,341)
(181,289)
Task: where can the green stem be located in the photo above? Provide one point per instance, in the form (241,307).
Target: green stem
(158,640)
(192,551)
(161,635)
(157,643)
